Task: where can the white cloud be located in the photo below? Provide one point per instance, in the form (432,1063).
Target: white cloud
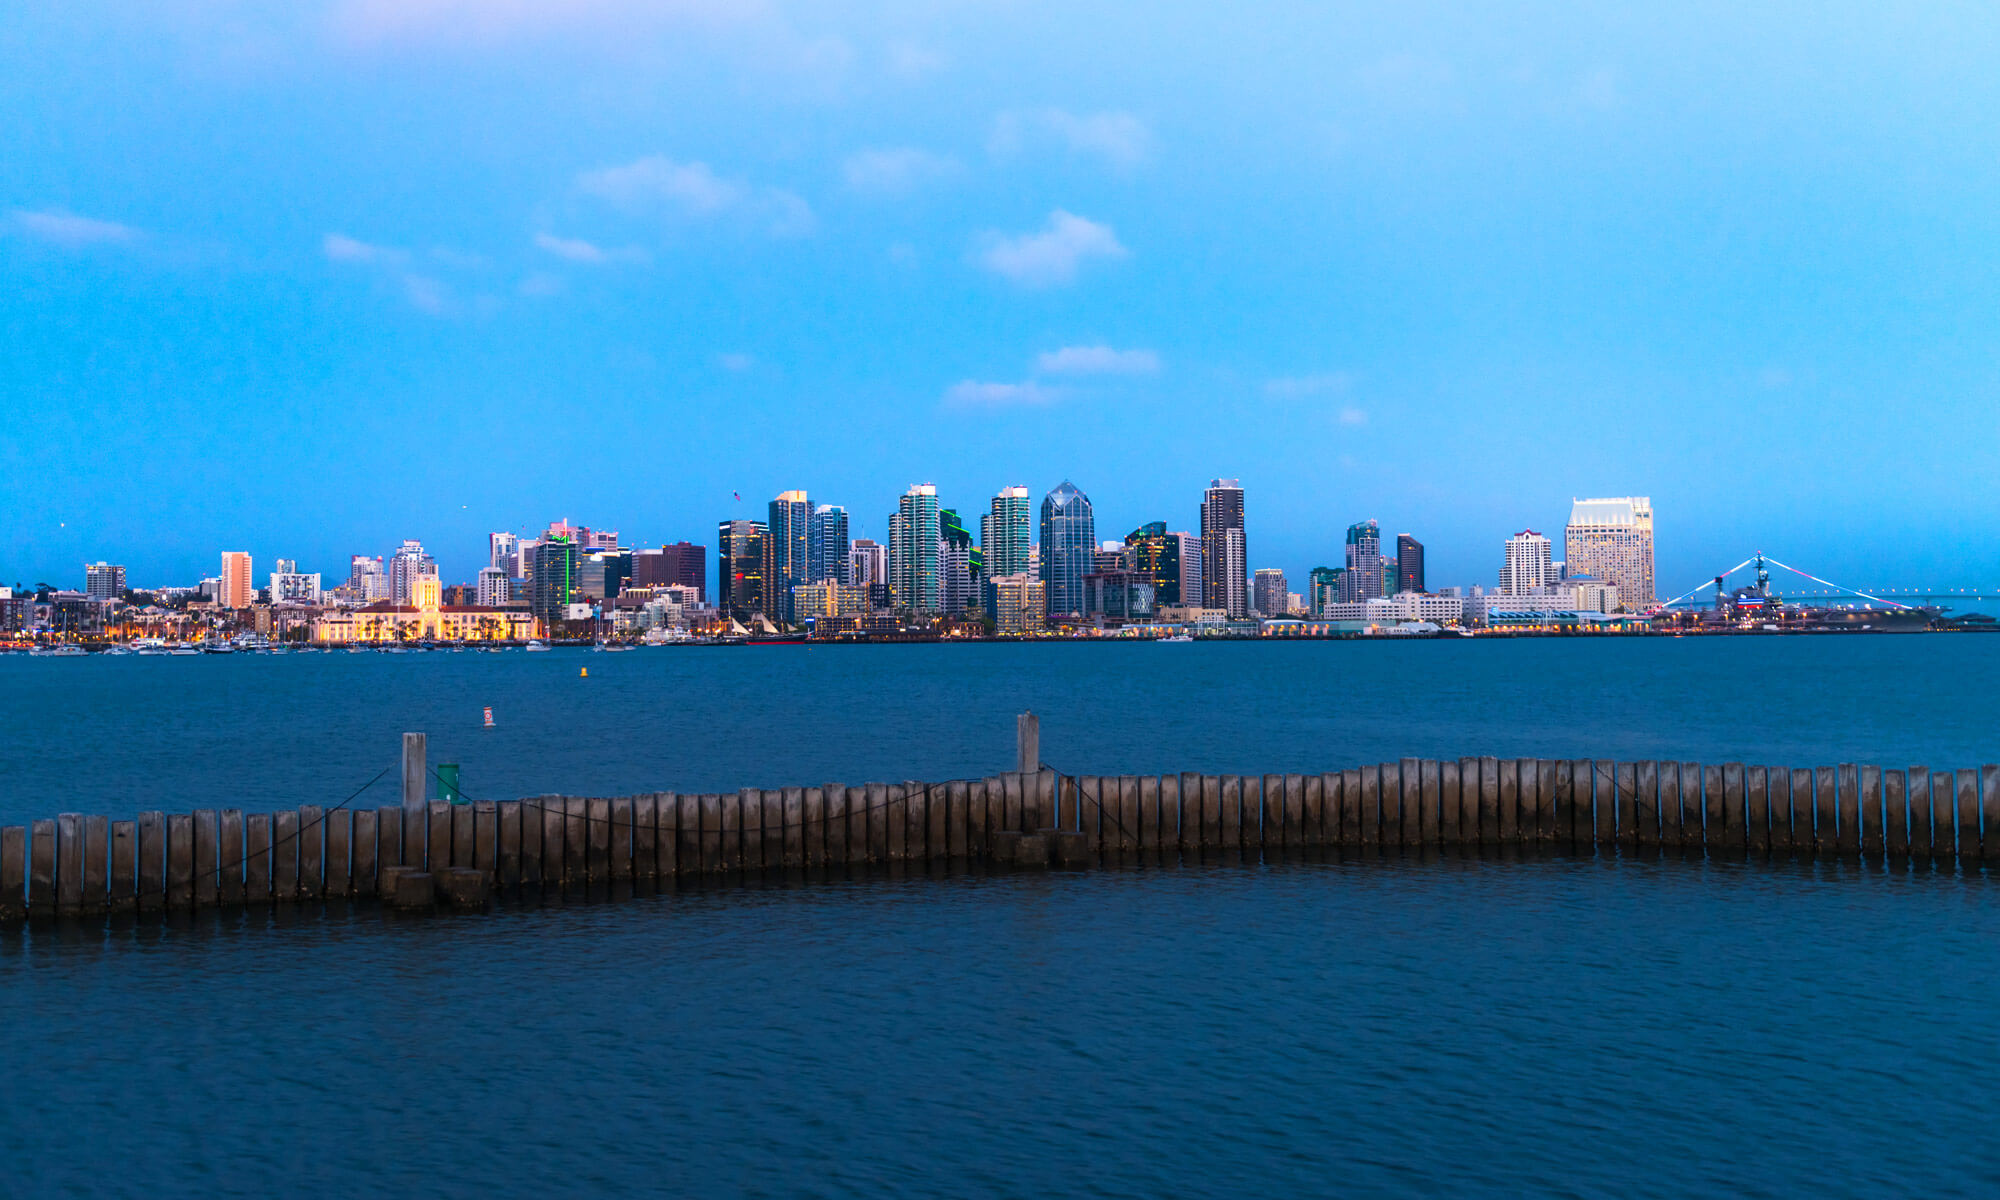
(1294,387)
(579,251)
(70,231)
(428,295)
(1119,138)
(1353,416)
(914,60)
(736,362)
(1051,256)
(1097,360)
(340,248)
(895,170)
(693,190)
(971,393)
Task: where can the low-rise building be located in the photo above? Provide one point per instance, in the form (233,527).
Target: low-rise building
(425,620)
(1405,606)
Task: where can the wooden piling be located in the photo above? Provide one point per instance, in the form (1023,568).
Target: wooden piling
(1350,806)
(1943,784)
(1713,826)
(875,810)
(1044,789)
(827,804)
(42,868)
(1868,809)
(229,844)
(1371,805)
(1733,817)
(597,838)
(1848,780)
(917,800)
(896,821)
(1989,788)
(312,853)
(670,834)
(1402,824)
(1027,744)
(485,839)
(619,838)
(124,889)
(1231,815)
(1449,834)
(576,842)
(257,858)
(1528,824)
(1271,810)
(957,820)
(362,847)
(1508,807)
(1669,776)
(415,854)
(1918,796)
(180,861)
(207,858)
(1968,816)
(555,834)
(436,818)
(1292,810)
(1123,836)
(1489,801)
(1802,810)
(1895,813)
(1208,795)
(457,855)
(1646,805)
(1826,812)
(1757,809)
(389,842)
(1625,803)
(1565,801)
(69,864)
(860,843)
(775,832)
(1149,829)
(645,836)
(1469,833)
(415,767)
(151,831)
(285,855)
(13,873)
(96,896)
(1545,801)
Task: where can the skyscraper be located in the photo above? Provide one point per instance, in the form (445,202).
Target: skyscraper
(1363,580)
(913,550)
(552,577)
(494,587)
(1323,588)
(236,590)
(1612,539)
(683,563)
(503,550)
(786,552)
(959,583)
(739,568)
(1157,554)
(366,579)
(826,545)
(405,566)
(1270,592)
(1069,536)
(103,580)
(1004,532)
(868,567)
(1410,563)
(1224,556)
(1527,567)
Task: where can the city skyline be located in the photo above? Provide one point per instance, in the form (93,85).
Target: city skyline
(836,248)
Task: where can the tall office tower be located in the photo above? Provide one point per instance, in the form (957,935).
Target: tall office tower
(1392,576)
(494,587)
(366,578)
(1224,557)
(1363,580)
(1005,533)
(602,574)
(103,581)
(405,566)
(1527,567)
(503,550)
(1190,554)
(959,579)
(1323,588)
(868,567)
(1612,540)
(739,568)
(552,577)
(826,545)
(913,550)
(235,589)
(1269,592)
(1409,563)
(1156,554)
(786,540)
(682,563)
(1069,537)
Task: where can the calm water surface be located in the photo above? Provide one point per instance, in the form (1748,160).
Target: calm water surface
(1572,1026)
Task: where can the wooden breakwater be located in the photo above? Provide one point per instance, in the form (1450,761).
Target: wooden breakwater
(436,853)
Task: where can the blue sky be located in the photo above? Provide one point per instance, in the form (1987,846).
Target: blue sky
(307,279)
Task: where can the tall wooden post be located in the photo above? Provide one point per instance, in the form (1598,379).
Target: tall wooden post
(415,766)
(1028,743)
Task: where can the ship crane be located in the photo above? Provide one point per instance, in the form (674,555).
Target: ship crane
(1763,586)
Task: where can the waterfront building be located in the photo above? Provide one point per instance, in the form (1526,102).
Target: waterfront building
(294,587)
(1069,537)
(1323,589)
(787,544)
(1479,609)
(1591,594)
(428,619)
(1018,604)
(826,545)
(1612,540)
(1363,579)
(739,568)
(1527,568)
(552,580)
(913,550)
(828,598)
(493,588)
(1268,592)
(103,581)
(1405,606)
(1224,553)
(682,564)
(1005,533)
(234,589)
(1115,597)
(1409,563)
(959,581)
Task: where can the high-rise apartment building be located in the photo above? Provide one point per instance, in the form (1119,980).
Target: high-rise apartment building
(1069,537)
(103,580)
(868,567)
(826,545)
(494,587)
(1157,554)
(552,578)
(293,586)
(960,581)
(1363,578)
(739,568)
(1409,563)
(234,589)
(913,550)
(1224,555)
(1527,567)
(1612,540)
(786,544)
(1268,592)
(1323,588)
(503,550)
(1392,576)
(1006,533)
(366,579)
(681,564)
(406,565)
(1018,604)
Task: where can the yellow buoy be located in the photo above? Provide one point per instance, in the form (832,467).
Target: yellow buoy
(585,672)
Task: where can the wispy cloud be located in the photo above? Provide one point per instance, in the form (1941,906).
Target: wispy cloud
(425,293)
(1097,360)
(895,170)
(1118,138)
(972,393)
(70,231)
(577,250)
(656,183)
(340,248)
(1353,416)
(1296,386)
(1050,256)
(914,60)
(428,295)
(735,362)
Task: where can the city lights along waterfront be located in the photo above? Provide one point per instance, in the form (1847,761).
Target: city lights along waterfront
(799,576)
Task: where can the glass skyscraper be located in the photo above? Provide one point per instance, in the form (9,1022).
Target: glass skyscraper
(739,568)
(1363,580)
(1225,582)
(1004,533)
(826,545)
(913,550)
(785,554)
(1069,538)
